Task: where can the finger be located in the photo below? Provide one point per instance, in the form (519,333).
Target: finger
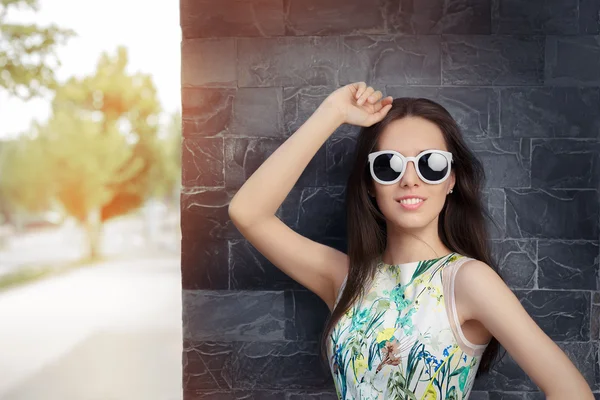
(382,103)
(361,86)
(385,101)
(378,116)
(378,105)
(365,94)
(388,100)
(374,97)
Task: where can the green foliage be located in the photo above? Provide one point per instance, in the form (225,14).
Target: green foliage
(86,161)
(26,182)
(100,154)
(104,132)
(167,174)
(27,52)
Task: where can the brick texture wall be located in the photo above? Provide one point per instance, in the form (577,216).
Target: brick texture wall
(521,77)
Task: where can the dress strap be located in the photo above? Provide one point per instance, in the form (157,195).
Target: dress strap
(448,279)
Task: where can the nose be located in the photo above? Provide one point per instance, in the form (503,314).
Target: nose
(410,176)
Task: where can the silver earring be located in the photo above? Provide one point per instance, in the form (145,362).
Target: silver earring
(450,190)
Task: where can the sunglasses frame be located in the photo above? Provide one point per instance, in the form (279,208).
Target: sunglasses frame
(405,161)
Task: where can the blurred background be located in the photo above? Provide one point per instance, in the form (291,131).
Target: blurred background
(90,142)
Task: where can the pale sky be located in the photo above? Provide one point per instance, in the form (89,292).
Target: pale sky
(149,29)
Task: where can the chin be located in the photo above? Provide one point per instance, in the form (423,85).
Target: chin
(414,221)
(411,225)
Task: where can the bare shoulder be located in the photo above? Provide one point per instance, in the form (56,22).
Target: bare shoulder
(475,281)
(485,297)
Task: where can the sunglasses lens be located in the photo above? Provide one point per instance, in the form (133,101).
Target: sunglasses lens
(388,166)
(433,166)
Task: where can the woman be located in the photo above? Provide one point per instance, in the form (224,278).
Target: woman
(418,308)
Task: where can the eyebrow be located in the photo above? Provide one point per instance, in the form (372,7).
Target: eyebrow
(420,151)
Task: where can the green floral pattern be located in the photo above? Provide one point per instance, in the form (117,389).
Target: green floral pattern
(397,341)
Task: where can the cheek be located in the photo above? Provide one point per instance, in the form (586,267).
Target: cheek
(437,196)
(437,202)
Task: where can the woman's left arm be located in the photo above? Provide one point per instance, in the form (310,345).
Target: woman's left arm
(485,297)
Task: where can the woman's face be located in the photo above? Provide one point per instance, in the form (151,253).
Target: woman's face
(410,136)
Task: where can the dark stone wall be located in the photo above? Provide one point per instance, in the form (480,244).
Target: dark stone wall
(521,77)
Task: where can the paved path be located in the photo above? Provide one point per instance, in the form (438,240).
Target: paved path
(65,244)
(109,331)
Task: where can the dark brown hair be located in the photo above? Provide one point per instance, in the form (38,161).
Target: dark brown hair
(462,221)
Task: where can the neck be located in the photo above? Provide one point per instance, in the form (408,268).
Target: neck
(410,245)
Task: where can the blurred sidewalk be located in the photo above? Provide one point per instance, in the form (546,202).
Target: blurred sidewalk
(110,331)
(152,230)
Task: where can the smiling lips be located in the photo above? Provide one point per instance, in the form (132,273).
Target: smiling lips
(411,203)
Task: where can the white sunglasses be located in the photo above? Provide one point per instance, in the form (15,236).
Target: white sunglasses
(388,166)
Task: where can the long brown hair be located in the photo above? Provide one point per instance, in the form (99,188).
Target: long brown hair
(462,221)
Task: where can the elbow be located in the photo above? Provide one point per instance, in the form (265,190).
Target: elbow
(233,209)
(230,210)
(233,213)
(245,216)
(237,217)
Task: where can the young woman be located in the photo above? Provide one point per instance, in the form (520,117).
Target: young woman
(418,308)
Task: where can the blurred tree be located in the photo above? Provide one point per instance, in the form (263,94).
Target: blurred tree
(27,52)
(101,150)
(26,181)
(167,175)
(114,99)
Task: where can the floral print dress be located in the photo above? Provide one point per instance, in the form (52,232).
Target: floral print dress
(402,339)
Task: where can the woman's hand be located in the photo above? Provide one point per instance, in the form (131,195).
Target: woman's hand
(358,104)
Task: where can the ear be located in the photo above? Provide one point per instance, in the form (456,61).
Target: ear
(370,191)
(452,182)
